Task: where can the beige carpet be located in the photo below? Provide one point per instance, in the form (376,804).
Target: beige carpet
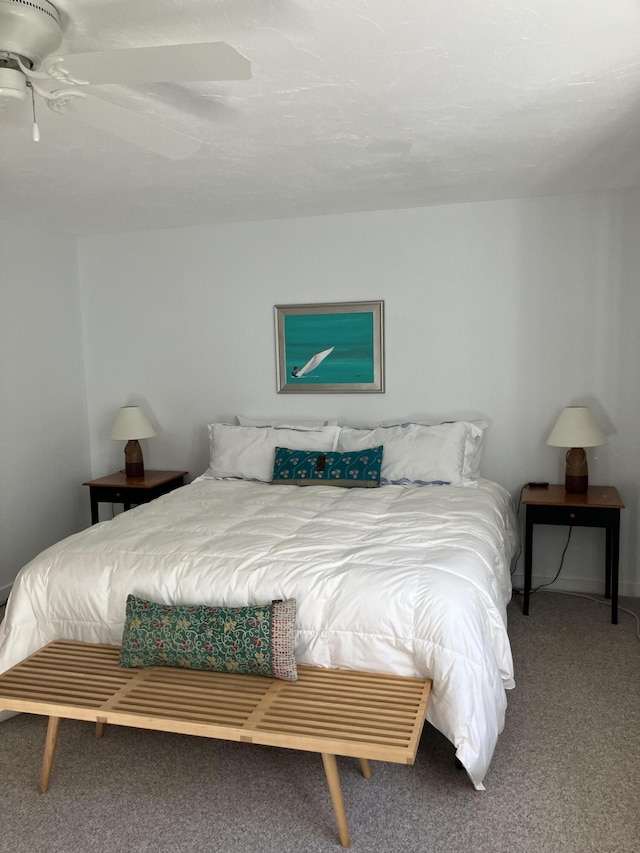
(565,776)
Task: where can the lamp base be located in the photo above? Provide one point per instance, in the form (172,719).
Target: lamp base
(133,462)
(576,479)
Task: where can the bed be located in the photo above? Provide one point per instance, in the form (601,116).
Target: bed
(411,577)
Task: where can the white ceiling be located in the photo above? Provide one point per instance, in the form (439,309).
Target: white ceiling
(353,105)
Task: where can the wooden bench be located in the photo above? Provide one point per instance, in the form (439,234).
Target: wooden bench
(333,712)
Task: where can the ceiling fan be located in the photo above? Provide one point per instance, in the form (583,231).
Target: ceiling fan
(30,33)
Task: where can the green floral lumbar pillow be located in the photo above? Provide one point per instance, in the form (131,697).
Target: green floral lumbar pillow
(256,640)
(354,469)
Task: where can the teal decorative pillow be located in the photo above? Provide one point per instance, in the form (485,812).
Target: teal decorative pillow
(256,640)
(358,468)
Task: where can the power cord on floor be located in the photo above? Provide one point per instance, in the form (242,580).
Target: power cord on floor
(605,601)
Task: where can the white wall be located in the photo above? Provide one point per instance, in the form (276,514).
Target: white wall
(44,448)
(507,310)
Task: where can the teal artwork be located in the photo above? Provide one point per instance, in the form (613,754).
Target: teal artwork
(330,348)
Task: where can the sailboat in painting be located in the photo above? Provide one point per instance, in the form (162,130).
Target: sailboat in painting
(314,361)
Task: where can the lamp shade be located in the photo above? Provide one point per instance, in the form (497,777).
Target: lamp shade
(576,427)
(131,423)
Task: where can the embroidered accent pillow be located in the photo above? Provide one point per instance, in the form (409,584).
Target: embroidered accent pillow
(255,640)
(360,469)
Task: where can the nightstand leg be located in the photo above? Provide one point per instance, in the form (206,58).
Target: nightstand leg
(607,563)
(528,559)
(95,513)
(614,548)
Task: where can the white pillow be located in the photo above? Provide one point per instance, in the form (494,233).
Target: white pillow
(447,453)
(473,449)
(248,452)
(292,423)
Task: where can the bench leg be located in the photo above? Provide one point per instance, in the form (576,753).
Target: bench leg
(100,727)
(333,780)
(364,767)
(49,750)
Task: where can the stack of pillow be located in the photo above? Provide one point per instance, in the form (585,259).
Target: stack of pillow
(317,453)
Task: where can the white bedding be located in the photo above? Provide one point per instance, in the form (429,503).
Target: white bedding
(406,579)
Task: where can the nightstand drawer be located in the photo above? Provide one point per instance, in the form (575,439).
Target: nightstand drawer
(109,495)
(129,496)
(570,516)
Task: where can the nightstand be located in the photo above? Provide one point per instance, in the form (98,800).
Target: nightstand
(130,491)
(599,506)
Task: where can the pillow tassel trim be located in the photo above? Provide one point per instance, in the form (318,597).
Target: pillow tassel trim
(283,640)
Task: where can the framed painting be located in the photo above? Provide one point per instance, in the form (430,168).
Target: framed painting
(332,348)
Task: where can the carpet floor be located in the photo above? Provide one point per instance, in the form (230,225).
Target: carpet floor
(565,777)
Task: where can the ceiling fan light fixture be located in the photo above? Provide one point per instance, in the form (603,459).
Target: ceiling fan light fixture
(13,86)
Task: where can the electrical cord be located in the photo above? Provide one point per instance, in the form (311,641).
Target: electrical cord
(605,601)
(514,562)
(548,583)
(531,485)
(535,589)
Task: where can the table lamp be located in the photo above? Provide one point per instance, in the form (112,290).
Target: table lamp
(130,425)
(576,428)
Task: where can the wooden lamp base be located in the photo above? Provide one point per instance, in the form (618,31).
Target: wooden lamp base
(576,480)
(133,462)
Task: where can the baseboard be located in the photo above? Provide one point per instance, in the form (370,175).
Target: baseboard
(589,586)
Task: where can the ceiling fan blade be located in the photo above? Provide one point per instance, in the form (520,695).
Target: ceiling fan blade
(172,63)
(134,128)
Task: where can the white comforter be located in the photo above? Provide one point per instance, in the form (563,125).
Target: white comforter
(405,579)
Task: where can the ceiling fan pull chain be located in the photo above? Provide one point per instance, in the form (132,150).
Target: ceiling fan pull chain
(36,130)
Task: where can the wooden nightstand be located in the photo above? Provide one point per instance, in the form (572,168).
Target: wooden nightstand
(599,507)
(117,488)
